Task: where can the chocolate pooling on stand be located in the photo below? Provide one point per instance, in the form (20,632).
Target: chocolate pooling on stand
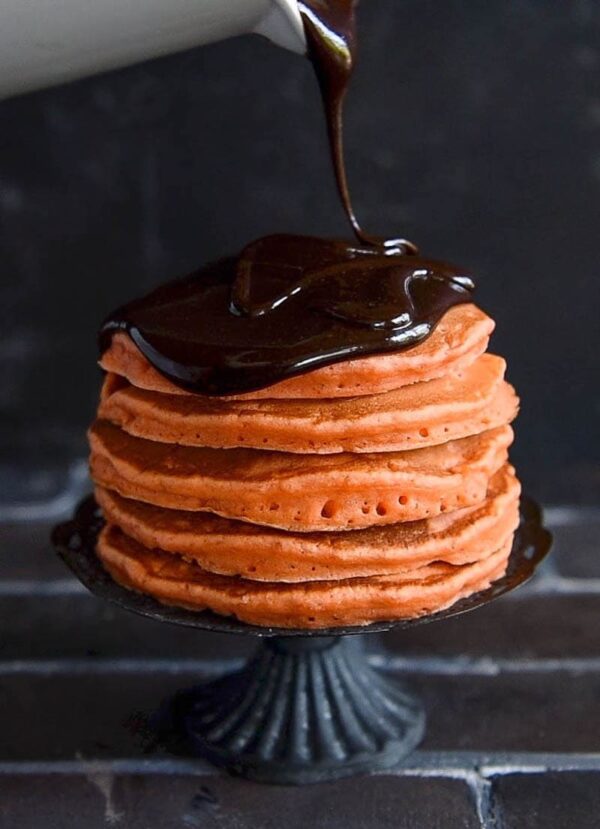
(290,304)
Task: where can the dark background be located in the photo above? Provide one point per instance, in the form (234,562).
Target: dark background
(472,128)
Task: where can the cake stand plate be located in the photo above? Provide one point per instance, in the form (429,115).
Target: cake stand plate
(307,707)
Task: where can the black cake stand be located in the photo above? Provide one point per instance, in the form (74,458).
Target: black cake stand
(307,707)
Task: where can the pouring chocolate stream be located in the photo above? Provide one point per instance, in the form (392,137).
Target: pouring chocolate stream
(290,304)
(330,29)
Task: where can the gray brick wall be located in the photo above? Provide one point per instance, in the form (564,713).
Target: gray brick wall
(472,128)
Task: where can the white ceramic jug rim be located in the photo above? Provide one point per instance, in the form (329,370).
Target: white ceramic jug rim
(43,42)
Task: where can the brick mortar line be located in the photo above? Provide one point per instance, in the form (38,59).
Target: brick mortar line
(482,793)
(392,664)
(95,666)
(454,765)
(476,771)
(483,665)
(35,587)
(551,584)
(568,515)
(54,508)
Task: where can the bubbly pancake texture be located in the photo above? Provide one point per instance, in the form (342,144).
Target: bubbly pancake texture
(235,548)
(300,492)
(373,489)
(305,605)
(458,339)
(463,403)
(370,488)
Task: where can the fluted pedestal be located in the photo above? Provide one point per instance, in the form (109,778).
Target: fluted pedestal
(308,707)
(303,710)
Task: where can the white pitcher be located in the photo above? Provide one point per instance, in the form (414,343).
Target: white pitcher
(45,42)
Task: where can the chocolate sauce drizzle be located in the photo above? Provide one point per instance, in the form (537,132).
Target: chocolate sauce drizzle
(330,30)
(286,305)
(290,304)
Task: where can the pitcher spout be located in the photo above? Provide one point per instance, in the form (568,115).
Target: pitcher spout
(283,26)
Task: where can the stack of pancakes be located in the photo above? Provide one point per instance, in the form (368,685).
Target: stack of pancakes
(372,489)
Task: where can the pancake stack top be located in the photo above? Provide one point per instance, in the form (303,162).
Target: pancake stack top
(368,489)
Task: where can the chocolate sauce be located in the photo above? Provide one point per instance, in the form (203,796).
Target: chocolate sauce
(286,305)
(330,30)
(290,304)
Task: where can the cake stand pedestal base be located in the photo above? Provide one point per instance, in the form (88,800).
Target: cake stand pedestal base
(308,707)
(303,710)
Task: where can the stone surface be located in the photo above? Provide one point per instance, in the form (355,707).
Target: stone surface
(26,552)
(142,801)
(80,626)
(577,550)
(61,713)
(517,628)
(83,742)
(556,800)
(540,627)
(516,711)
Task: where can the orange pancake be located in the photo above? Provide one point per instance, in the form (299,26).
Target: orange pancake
(458,339)
(422,414)
(234,548)
(299,492)
(174,581)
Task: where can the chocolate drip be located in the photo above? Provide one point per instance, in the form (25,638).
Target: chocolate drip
(290,304)
(330,29)
(286,305)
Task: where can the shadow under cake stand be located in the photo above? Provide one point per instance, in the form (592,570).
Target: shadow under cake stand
(307,707)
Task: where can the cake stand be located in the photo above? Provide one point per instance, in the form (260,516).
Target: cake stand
(307,707)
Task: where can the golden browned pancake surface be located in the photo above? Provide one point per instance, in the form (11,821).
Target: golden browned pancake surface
(306,605)
(228,547)
(458,339)
(422,414)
